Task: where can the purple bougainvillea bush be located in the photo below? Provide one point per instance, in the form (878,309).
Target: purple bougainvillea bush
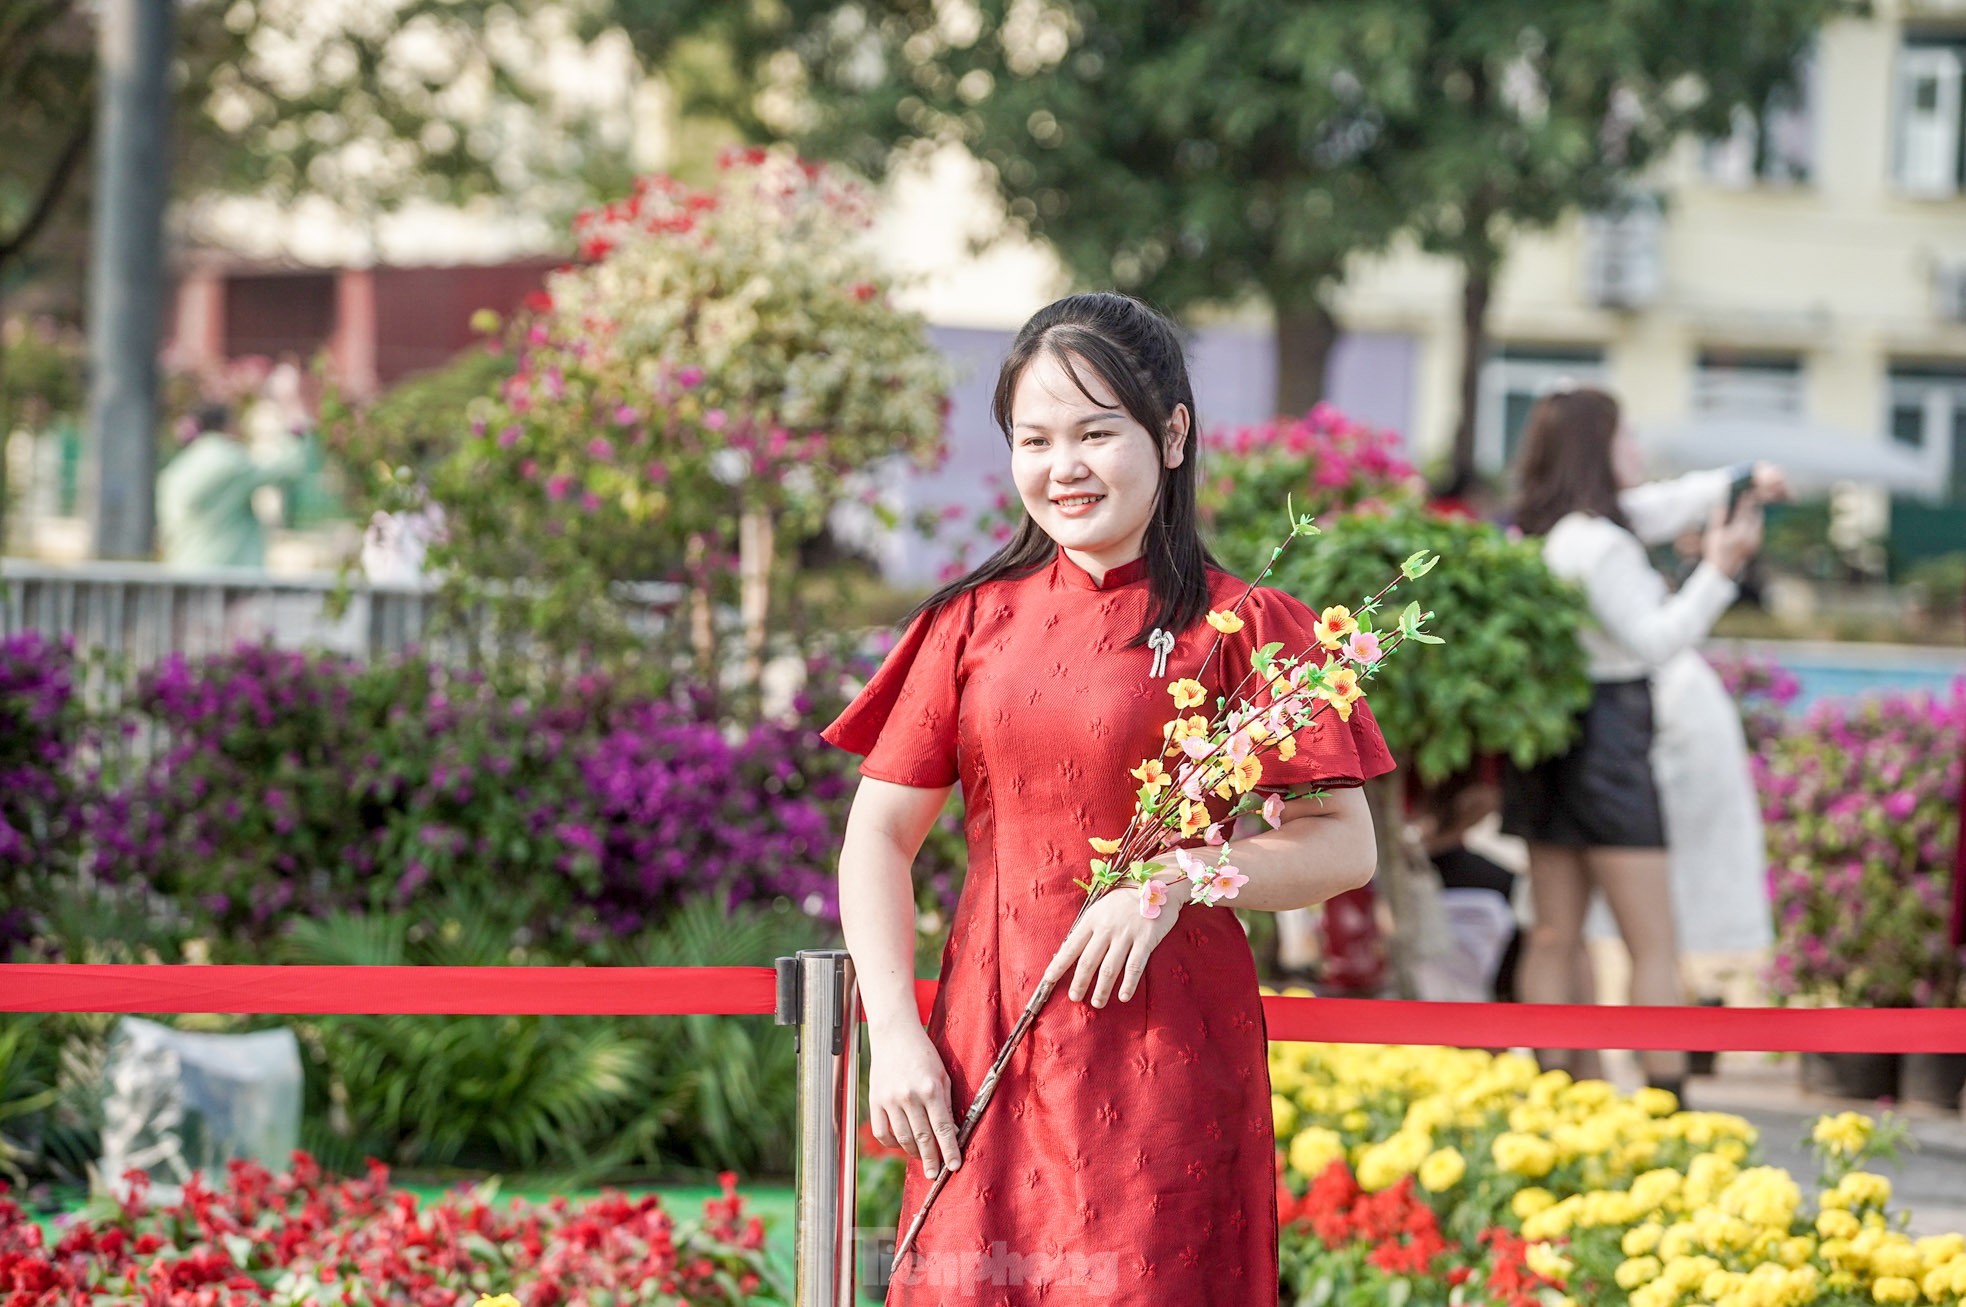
(1861,803)
(289,783)
(41,727)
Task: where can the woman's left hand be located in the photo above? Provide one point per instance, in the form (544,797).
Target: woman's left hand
(1112,943)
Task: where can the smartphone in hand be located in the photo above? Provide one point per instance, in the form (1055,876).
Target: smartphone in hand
(1738,488)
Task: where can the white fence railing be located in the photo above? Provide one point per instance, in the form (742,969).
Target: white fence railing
(137,613)
(141,612)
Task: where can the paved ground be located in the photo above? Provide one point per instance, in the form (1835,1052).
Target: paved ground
(1930,1179)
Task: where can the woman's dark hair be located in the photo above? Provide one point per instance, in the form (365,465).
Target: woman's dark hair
(1137,353)
(1564,465)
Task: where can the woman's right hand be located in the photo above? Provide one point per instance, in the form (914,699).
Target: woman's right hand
(1732,541)
(908,1099)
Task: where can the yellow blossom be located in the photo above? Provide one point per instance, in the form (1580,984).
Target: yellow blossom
(1528,1202)
(1246,775)
(1523,1154)
(1637,1271)
(1548,1262)
(1287,748)
(1894,1288)
(1225,622)
(502,1300)
(1107,847)
(1442,1169)
(1334,624)
(1194,818)
(1152,775)
(1836,1224)
(1641,1239)
(1188,693)
(1313,1149)
(1845,1134)
(1865,1189)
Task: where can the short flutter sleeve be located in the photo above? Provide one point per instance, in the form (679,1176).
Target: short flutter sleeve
(1331,752)
(904,719)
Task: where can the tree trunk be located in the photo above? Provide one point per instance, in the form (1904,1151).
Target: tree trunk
(1480,274)
(702,619)
(126,274)
(754,560)
(1305,336)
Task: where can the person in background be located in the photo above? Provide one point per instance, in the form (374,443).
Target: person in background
(1477,892)
(205,515)
(1592,817)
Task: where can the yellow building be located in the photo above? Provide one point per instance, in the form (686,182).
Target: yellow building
(1818,303)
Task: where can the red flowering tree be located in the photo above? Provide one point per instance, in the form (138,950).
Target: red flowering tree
(713,375)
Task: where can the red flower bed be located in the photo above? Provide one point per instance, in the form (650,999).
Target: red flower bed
(301,1238)
(1363,1243)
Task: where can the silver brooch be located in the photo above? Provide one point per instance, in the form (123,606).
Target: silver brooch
(1162,643)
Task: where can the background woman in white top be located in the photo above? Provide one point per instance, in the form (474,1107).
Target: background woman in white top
(1592,817)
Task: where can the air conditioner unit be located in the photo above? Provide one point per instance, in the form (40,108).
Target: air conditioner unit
(1949,288)
(1622,255)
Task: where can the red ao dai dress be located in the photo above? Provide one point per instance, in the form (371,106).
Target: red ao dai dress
(1128,1155)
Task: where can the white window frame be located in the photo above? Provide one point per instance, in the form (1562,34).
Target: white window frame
(1503,376)
(1728,161)
(1941,398)
(1745,390)
(1928,142)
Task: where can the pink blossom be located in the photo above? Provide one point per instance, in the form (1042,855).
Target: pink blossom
(627,416)
(602,448)
(1900,806)
(528,468)
(656,473)
(558,485)
(1273,810)
(1224,881)
(689,378)
(1213,835)
(589,501)
(716,419)
(1153,895)
(1196,747)
(508,437)
(1363,648)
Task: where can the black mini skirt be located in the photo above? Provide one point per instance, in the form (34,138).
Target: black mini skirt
(1601,793)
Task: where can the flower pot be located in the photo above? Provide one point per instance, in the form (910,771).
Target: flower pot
(1851,1075)
(1935,1078)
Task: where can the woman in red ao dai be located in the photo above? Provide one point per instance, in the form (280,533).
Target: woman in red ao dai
(1129,1154)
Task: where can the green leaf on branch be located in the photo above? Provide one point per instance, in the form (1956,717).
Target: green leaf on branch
(1265,658)
(1418,564)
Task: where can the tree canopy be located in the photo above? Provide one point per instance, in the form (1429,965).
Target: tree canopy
(1242,150)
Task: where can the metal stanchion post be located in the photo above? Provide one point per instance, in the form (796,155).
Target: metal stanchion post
(817,994)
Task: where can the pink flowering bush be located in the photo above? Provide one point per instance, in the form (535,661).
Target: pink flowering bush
(1762,689)
(1326,462)
(1861,803)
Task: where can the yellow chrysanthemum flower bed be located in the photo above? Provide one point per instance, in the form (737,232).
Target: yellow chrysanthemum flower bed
(1621,1197)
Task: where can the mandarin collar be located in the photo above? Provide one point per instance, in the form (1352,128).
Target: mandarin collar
(1078,578)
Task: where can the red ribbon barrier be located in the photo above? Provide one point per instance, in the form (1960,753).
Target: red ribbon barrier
(752,991)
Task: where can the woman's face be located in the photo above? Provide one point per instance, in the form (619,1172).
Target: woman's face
(1627,460)
(1088,473)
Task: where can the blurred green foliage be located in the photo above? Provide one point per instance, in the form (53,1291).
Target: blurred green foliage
(1511,676)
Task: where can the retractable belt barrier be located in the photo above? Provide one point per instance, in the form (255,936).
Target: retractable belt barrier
(816,993)
(754,991)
